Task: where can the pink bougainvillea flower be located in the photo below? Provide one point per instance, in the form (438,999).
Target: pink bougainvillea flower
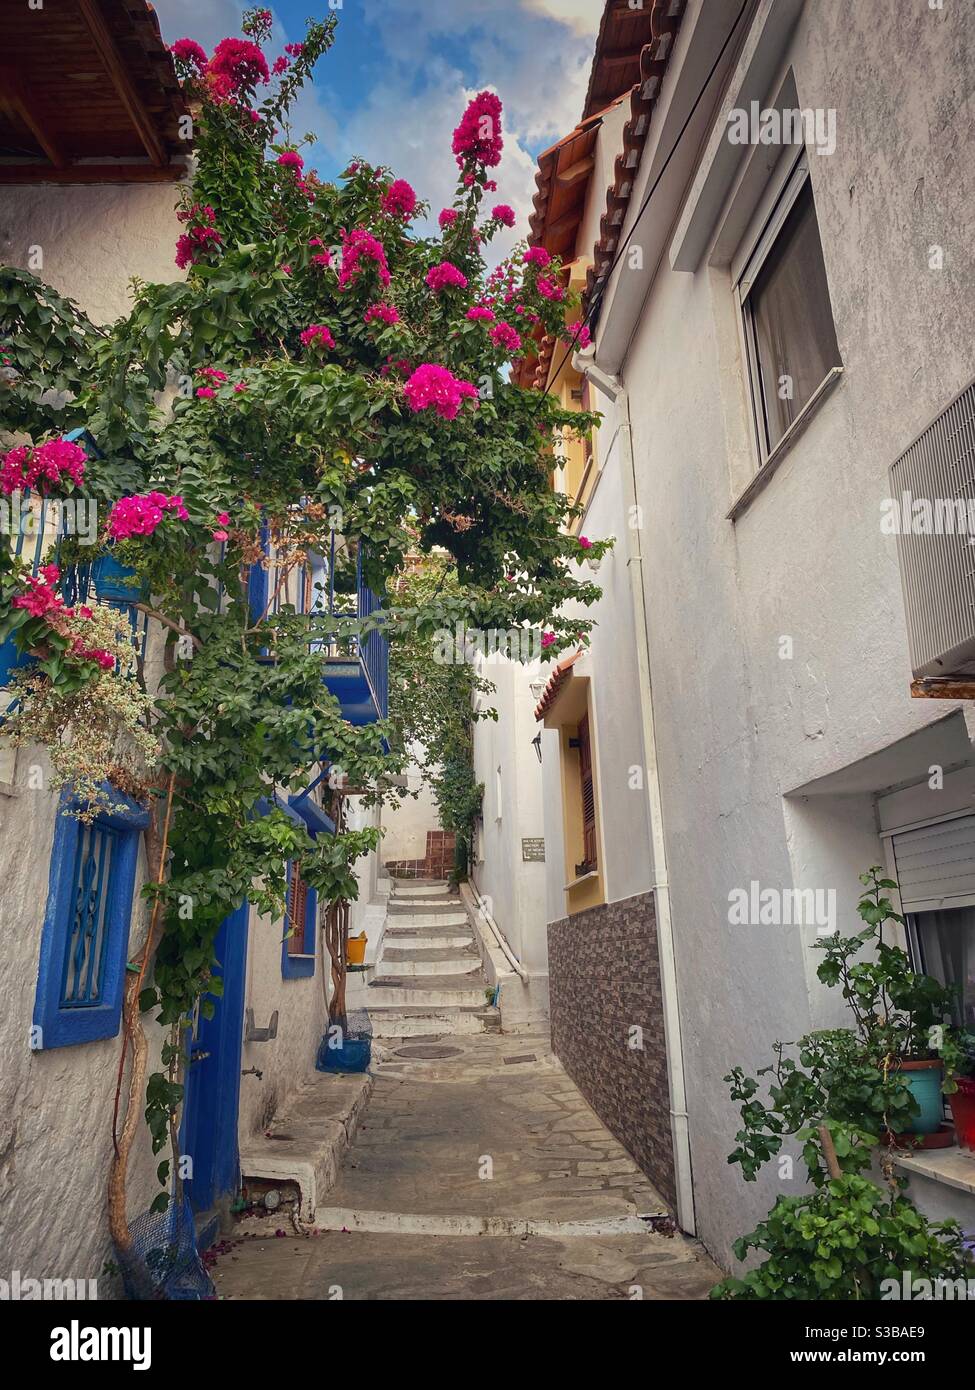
(189,51)
(361,245)
(477,140)
(585,543)
(549,289)
(237,65)
(447,216)
(547,639)
(56,462)
(444,275)
(286,270)
(504,336)
(317,335)
(140,515)
(503,214)
(220,535)
(432,387)
(578,334)
(280,65)
(211,373)
(205,392)
(537,255)
(481,311)
(240,386)
(223,518)
(291,159)
(386,312)
(399,199)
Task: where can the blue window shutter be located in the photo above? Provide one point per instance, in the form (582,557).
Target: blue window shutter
(85,937)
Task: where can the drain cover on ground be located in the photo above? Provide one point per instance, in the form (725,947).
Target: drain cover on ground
(523,1057)
(429,1052)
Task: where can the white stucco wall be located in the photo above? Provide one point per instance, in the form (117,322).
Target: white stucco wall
(513,888)
(56,1105)
(288,1059)
(405,826)
(738,728)
(93,239)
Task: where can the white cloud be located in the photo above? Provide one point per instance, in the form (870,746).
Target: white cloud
(582,16)
(535,54)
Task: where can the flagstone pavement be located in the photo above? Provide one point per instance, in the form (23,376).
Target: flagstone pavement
(479,1175)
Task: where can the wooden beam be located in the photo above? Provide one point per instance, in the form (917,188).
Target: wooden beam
(576,171)
(16,95)
(114,63)
(91,173)
(943,688)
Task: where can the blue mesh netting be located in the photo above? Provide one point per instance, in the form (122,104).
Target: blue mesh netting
(349,1048)
(162,1261)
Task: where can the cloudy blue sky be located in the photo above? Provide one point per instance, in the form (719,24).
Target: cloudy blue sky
(401,71)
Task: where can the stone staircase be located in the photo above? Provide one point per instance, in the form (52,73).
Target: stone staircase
(428,977)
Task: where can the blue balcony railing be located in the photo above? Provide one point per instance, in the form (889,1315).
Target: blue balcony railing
(356,668)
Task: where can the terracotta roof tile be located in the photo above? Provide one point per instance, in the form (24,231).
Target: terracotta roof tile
(555,683)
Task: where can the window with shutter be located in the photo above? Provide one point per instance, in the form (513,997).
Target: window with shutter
(297,912)
(588,796)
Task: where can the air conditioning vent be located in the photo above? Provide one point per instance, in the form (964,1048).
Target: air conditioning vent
(933,495)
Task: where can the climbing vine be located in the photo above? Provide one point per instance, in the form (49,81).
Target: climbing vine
(324,369)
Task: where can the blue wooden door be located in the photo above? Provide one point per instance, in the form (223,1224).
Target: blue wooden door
(209,1129)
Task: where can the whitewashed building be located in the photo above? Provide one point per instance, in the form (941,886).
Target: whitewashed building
(782,346)
(88,196)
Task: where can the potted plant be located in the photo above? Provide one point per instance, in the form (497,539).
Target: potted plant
(898,1013)
(961,1088)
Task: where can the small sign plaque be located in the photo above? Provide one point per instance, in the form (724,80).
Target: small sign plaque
(532,850)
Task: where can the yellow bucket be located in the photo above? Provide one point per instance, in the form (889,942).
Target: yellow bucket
(356,951)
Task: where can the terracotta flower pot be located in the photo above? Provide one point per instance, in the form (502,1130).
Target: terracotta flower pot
(963,1111)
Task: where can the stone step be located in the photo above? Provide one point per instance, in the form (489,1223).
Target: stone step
(433,992)
(428,937)
(396,906)
(420,887)
(428,919)
(405,1022)
(418,961)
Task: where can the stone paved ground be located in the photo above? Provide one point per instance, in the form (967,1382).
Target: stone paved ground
(483,1175)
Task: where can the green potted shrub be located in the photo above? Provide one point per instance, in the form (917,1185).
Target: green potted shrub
(898,1013)
(840,1092)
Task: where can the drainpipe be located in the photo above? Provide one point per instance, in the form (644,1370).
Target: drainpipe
(612,387)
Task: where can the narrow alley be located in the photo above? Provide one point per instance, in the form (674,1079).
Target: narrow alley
(478,1172)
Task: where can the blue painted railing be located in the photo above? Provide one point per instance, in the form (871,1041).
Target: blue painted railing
(317,593)
(374,647)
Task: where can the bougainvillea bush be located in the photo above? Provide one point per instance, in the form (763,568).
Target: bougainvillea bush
(318,364)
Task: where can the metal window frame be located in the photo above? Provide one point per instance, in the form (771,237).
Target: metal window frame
(745,272)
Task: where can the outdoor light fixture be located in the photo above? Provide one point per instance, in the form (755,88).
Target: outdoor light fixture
(537,744)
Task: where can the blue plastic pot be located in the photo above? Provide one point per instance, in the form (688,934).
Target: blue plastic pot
(114,583)
(923,1080)
(353,1055)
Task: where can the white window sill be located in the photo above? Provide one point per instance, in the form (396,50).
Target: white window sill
(583,878)
(954,1167)
(775,458)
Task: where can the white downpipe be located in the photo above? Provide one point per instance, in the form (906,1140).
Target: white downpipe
(665,933)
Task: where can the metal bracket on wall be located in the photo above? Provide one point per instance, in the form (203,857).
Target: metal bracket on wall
(252,1034)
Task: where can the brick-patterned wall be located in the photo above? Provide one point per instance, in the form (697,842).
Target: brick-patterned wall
(439,861)
(604,977)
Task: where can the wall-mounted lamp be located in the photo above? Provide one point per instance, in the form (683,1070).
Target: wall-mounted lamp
(537,744)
